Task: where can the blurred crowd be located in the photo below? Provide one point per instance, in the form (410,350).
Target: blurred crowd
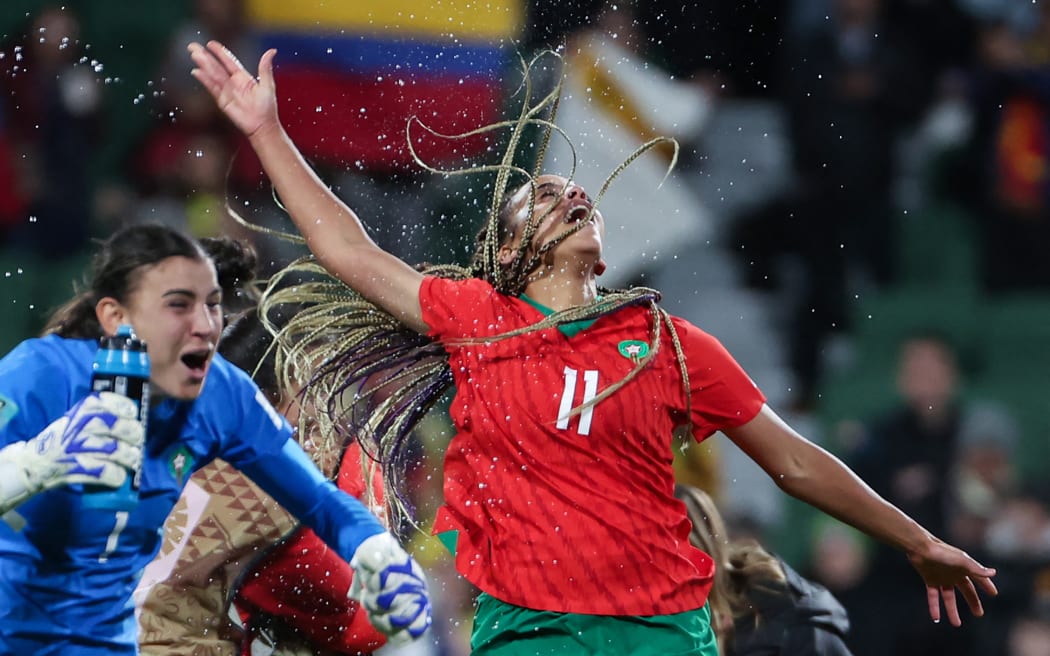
(890,115)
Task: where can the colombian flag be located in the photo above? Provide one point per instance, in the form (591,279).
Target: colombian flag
(350,74)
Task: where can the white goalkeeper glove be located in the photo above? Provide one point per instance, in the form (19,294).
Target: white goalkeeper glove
(97,441)
(391,587)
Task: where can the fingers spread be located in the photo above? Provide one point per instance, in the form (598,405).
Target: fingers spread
(988,585)
(969,593)
(266,67)
(225,57)
(933,601)
(951,606)
(208,72)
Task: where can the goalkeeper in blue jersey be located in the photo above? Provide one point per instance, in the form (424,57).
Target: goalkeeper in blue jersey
(69,556)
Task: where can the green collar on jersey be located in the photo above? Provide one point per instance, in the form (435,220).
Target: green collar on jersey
(568,329)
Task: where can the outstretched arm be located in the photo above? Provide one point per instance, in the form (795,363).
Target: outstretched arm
(332,230)
(807,472)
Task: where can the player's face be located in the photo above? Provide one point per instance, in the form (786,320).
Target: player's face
(176,308)
(559,207)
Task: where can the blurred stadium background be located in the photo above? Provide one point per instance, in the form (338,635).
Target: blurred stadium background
(854,174)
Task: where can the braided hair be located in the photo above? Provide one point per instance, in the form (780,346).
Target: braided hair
(377,377)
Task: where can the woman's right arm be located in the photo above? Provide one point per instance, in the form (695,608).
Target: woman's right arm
(332,230)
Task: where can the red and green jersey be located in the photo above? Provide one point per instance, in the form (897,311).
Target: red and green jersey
(575,512)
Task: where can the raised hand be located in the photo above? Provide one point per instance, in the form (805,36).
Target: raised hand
(391,587)
(944,569)
(249,102)
(98,441)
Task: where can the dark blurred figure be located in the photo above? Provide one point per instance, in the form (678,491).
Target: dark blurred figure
(984,473)
(1006,174)
(13,199)
(733,45)
(53,102)
(840,560)
(730,44)
(1029,636)
(191,162)
(908,451)
(185,113)
(1017,539)
(907,455)
(851,85)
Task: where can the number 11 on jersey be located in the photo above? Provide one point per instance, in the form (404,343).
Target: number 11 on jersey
(590,390)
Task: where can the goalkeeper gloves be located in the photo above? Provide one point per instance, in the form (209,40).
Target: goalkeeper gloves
(391,587)
(98,441)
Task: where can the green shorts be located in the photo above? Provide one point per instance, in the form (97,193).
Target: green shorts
(501,629)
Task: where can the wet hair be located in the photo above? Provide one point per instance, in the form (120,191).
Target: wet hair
(116,269)
(739,567)
(235,267)
(344,344)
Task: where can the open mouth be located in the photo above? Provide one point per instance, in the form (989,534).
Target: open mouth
(577,214)
(196,361)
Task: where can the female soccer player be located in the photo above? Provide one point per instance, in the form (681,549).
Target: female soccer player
(558,484)
(236,574)
(70,554)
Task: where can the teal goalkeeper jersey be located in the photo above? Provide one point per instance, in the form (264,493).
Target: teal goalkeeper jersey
(69,561)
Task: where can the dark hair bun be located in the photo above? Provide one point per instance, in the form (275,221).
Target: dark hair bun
(235,263)
(235,260)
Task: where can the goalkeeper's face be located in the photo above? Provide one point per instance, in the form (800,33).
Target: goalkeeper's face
(176,308)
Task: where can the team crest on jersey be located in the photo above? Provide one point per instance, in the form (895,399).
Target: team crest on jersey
(633,349)
(180,465)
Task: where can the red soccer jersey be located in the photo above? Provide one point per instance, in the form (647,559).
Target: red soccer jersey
(575,513)
(305,583)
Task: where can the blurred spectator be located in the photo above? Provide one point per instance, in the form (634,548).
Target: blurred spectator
(851,86)
(53,103)
(1020,530)
(984,472)
(191,163)
(1017,540)
(907,452)
(223,20)
(185,111)
(1008,167)
(1029,636)
(190,195)
(840,560)
(907,455)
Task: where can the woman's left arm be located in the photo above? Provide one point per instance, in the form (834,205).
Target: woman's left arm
(293,480)
(387,581)
(811,474)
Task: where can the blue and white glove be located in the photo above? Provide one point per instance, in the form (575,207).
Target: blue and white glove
(98,441)
(391,587)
